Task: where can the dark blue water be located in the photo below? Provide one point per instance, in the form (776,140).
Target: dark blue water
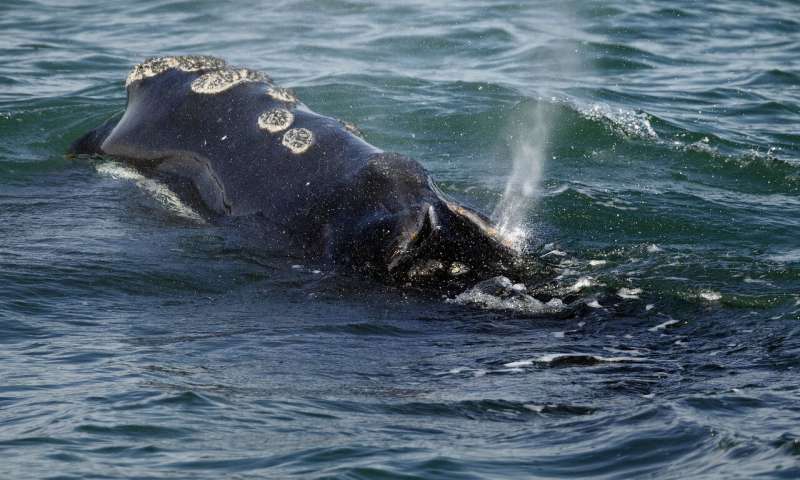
(137,341)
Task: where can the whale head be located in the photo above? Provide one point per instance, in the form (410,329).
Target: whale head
(402,227)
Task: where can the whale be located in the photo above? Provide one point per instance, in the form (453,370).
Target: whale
(244,150)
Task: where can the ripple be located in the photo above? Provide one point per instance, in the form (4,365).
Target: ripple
(134,431)
(485,410)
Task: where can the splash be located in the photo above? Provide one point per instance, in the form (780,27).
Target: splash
(499,293)
(529,149)
(625,122)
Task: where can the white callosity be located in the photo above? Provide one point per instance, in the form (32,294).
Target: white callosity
(220,80)
(282,94)
(188,63)
(219,77)
(275,120)
(298,140)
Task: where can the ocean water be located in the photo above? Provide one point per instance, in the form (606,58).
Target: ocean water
(652,151)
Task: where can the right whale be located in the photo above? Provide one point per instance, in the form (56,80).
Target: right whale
(230,142)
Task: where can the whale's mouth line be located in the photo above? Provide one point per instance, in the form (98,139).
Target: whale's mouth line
(159,191)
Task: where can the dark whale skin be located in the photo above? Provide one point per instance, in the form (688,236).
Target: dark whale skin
(341,201)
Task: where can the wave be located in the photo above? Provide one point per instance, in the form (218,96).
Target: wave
(600,136)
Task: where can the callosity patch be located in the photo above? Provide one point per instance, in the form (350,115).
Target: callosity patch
(298,140)
(282,94)
(187,63)
(275,120)
(221,80)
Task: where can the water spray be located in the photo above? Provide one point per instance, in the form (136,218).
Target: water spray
(529,149)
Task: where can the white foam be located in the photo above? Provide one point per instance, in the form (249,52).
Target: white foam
(615,204)
(626,122)
(508,370)
(457,370)
(710,295)
(662,326)
(157,190)
(629,293)
(618,350)
(520,363)
(519,302)
(702,145)
(583,282)
(757,280)
(788,256)
(552,357)
(597,263)
(514,236)
(556,191)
